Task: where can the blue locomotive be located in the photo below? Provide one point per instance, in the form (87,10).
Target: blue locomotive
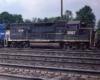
(71,34)
(2,35)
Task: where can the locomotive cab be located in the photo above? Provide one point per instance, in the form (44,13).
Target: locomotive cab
(72,27)
(75,36)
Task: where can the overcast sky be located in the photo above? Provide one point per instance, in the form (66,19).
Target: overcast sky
(46,8)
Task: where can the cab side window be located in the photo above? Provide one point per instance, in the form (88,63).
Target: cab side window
(72,27)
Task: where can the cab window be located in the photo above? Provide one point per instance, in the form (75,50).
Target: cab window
(72,27)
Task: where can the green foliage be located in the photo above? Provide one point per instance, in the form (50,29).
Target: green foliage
(18,18)
(52,19)
(98,32)
(98,28)
(7,18)
(27,20)
(57,18)
(34,19)
(86,14)
(39,20)
(46,19)
(68,15)
(98,24)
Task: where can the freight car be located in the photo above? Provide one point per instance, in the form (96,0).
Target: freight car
(71,34)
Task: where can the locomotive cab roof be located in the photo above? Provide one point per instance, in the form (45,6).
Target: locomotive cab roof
(73,22)
(80,23)
(76,22)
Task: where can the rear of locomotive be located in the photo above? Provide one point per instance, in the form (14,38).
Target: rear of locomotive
(2,35)
(19,35)
(77,36)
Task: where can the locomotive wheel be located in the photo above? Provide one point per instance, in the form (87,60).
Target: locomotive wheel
(77,47)
(12,45)
(84,48)
(26,45)
(70,47)
(74,47)
(61,45)
(19,46)
(64,46)
(80,47)
(1,45)
(98,46)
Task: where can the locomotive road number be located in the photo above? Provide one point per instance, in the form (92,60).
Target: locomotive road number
(71,32)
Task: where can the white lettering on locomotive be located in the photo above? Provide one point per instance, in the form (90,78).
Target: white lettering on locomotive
(71,32)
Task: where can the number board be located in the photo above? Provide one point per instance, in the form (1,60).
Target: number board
(71,32)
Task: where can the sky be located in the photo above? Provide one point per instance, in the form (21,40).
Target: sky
(46,8)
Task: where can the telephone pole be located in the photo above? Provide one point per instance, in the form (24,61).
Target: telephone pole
(61,9)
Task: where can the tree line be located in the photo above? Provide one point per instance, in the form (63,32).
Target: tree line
(84,13)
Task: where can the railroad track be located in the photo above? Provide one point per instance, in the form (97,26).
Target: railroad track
(47,72)
(5,76)
(73,65)
(46,50)
(68,54)
(49,65)
(63,62)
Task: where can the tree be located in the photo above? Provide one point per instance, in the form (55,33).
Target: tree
(6,18)
(34,19)
(86,14)
(98,24)
(39,20)
(98,28)
(27,20)
(46,19)
(51,19)
(57,18)
(68,15)
(18,18)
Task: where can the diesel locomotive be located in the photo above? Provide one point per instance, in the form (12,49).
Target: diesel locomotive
(2,35)
(69,34)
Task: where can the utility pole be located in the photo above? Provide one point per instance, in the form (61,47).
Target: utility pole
(61,9)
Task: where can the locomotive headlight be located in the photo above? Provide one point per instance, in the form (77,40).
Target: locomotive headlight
(20,30)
